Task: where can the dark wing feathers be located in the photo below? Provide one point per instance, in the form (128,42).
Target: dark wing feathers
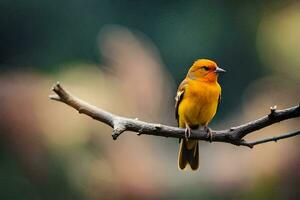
(219,101)
(179,97)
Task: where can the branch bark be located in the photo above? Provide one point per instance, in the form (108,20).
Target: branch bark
(233,135)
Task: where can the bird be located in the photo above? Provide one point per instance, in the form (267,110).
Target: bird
(196,103)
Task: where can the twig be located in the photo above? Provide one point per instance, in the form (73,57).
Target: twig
(273,139)
(233,135)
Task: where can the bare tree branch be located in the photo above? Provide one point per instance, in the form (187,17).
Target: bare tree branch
(233,135)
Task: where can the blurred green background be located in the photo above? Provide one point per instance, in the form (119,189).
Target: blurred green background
(128,57)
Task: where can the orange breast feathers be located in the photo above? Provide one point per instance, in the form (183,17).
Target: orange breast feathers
(199,104)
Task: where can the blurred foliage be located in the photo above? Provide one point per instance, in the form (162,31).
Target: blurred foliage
(128,57)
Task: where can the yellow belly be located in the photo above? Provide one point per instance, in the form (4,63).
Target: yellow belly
(199,105)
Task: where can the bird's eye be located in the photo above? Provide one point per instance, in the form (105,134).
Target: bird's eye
(205,68)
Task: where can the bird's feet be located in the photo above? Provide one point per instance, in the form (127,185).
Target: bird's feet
(188,132)
(209,133)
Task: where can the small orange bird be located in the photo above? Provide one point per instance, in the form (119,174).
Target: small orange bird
(197,100)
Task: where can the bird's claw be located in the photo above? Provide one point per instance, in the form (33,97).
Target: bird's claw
(187,133)
(209,133)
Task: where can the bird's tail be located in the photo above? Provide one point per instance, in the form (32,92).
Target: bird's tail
(188,154)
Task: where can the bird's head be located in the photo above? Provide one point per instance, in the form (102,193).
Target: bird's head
(206,70)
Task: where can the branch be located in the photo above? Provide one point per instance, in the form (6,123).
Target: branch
(274,139)
(233,135)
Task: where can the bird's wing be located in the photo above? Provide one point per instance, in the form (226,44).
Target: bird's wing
(179,97)
(219,101)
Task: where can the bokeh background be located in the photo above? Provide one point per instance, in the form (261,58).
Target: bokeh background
(128,57)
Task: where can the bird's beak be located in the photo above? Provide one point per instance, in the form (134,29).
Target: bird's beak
(220,70)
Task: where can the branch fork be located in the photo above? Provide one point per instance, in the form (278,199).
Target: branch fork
(234,135)
(118,128)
